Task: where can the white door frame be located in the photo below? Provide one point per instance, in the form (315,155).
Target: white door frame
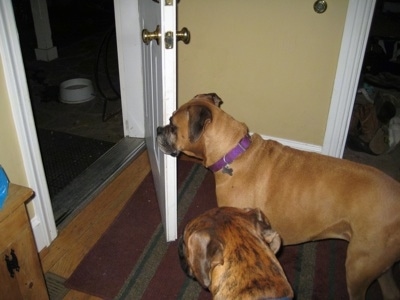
(351,57)
(358,21)
(129,41)
(43,224)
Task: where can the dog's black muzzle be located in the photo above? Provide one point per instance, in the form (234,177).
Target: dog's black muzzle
(163,141)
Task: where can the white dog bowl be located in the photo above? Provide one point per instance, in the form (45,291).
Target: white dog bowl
(76,90)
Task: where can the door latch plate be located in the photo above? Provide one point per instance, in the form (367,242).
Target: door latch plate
(169,40)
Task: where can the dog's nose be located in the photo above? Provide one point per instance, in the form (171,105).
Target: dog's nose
(159,130)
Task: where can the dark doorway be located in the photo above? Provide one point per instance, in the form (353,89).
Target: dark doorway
(72,136)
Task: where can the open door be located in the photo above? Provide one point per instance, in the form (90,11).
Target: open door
(158,24)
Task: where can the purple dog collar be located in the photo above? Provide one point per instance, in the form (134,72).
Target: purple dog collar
(224,162)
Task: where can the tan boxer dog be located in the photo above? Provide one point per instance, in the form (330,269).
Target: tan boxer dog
(231,252)
(305,196)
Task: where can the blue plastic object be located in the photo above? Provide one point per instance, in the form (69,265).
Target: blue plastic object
(4,184)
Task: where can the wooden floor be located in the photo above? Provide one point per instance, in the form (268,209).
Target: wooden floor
(79,236)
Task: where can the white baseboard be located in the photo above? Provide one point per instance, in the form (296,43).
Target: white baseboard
(295,144)
(38,233)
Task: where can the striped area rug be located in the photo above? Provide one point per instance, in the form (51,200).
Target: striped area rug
(132,260)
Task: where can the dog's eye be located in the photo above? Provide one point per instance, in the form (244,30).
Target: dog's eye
(173,128)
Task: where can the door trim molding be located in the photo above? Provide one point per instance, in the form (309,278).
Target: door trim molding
(42,223)
(129,41)
(355,37)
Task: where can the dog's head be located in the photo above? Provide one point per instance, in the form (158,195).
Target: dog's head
(188,125)
(207,237)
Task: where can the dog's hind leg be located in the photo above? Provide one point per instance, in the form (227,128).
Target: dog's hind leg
(356,286)
(388,285)
(364,265)
(362,268)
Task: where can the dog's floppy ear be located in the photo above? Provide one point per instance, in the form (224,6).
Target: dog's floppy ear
(213,97)
(270,236)
(205,253)
(182,258)
(199,117)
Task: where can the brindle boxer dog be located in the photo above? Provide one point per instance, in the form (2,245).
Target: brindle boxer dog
(305,196)
(231,252)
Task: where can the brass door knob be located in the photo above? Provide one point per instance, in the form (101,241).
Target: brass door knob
(148,36)
(183,35)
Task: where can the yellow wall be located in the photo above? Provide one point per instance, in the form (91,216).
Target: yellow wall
(272,62)
(10,153)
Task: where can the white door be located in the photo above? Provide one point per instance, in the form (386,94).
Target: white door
(159,73)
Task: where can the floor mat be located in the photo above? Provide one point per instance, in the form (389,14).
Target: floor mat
(55,286)
(65,156)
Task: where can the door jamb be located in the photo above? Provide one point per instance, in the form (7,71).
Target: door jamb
(129,41)
(43,224)
(355,38)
